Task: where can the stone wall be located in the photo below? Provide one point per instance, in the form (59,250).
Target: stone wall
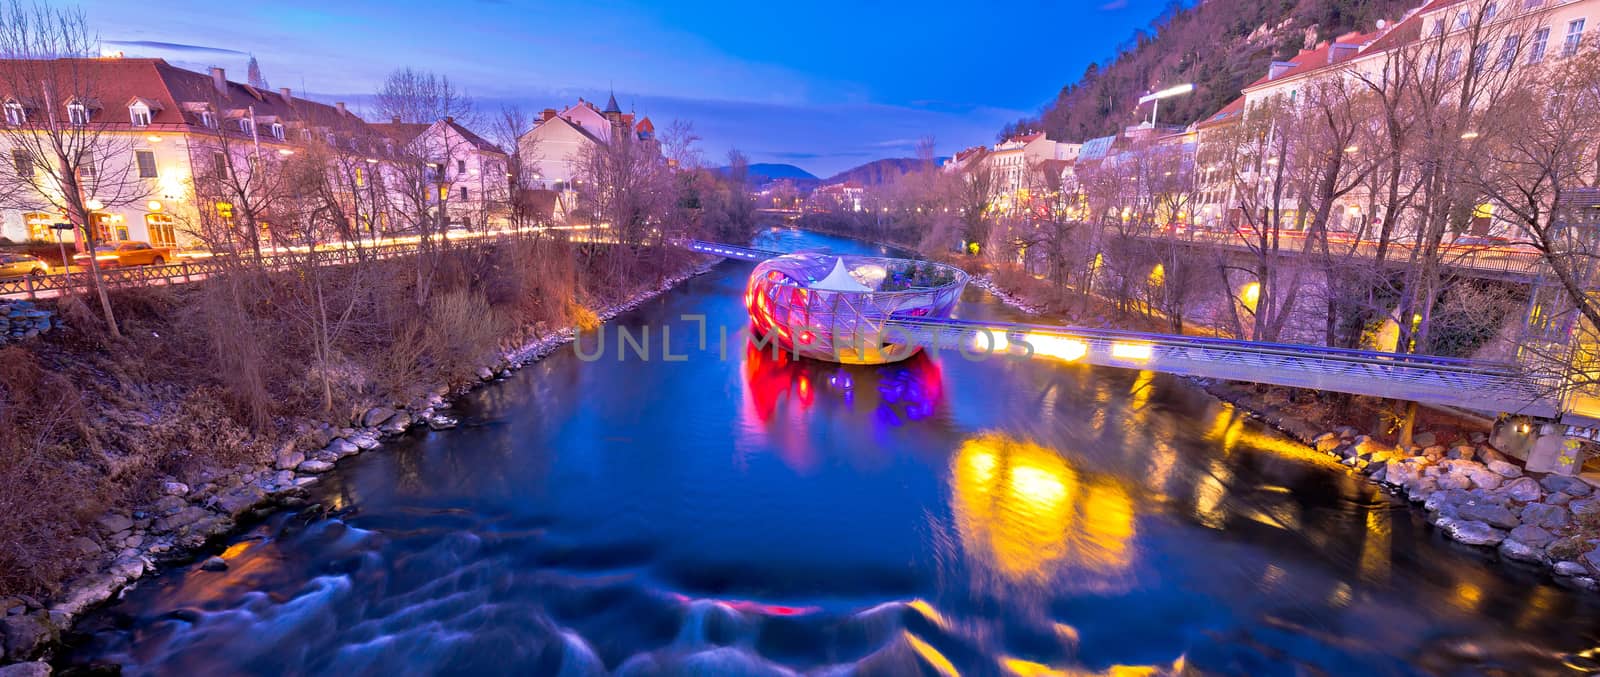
(23,319)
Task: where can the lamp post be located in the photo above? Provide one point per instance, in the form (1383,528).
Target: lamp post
(1164,94)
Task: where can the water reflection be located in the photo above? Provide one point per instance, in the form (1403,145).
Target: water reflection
(1022,511)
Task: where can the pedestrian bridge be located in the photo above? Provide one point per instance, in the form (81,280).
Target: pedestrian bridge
(1468,384)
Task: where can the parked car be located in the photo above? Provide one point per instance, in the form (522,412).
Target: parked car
(1481,241)
(18,265)
(126,253)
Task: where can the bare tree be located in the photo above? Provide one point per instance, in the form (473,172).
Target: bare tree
(67,156)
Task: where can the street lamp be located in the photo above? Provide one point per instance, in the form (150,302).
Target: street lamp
(66,264)
(1164,94)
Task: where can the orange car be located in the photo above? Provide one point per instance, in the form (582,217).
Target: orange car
(126,253)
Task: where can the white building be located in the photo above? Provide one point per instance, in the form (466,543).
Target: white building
(550,152)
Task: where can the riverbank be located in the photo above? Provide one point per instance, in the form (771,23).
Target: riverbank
(163,509)
(1471,492)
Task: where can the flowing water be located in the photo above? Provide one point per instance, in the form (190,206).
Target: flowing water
(739,513)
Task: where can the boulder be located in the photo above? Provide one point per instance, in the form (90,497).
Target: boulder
(1425,439)
(1531,535)
(441,422)
(214,563)
(396,424)
(1326,442)
(29,669)
(288,459)
(1455,481)
(1522,552)
(1462,452)
(22,635)
(1497,516)
(1487,453)
(1546,515)
(1585,506)
(1591,559)
(1558,498)
(1504,469)
(376,416)
(341,447)
(364,441)
(1481,477)
(113,523)
(174,488)
(1570,569)
(484,374)
(1472,532)
(1523,489)
(1571,486)
(85,546)
(314,466)
(239,500)
(1446,499)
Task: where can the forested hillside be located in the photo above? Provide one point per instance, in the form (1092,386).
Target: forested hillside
(1219,45)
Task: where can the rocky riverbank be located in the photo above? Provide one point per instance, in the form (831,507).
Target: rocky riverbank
(188,518)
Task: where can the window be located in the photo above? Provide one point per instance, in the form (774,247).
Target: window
(361,178)
(140,115)
(225,211)
(461,166)
(331,140)
(208,119)
(15,115)
(247,126)
(77,113)
(1574,38)
(1452,67)
(444,193)
(40,225)
(22,162)
(86,165)
(1463,19)
(147,163)
(1530,4)
(1541,38)
(305,135)
(277,131)
(160,230)
(1490,10)
(1438,27)
(219,165)
(1508,52)
(1480,55)
(463,192)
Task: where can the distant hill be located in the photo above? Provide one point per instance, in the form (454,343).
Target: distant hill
(779,171)
(879,172)
(1218,46)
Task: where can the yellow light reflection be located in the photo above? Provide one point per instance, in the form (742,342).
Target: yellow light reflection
(1375,548)
(1024,512)
(1058,347)
(1468,596)
(935,660)
(1131,351)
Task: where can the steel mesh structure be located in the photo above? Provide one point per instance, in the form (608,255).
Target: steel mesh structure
(849,326)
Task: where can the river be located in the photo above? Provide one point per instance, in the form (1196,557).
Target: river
(756,515)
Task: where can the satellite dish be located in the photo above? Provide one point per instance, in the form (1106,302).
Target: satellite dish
(1382,23)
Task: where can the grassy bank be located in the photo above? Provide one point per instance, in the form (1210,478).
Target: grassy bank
(220,375)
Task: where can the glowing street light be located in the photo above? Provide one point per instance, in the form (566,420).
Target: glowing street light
(1468,136)
(1167,93)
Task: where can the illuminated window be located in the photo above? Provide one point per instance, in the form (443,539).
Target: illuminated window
(1541,39)
(147,163)
(160,230)
(15,115)
(40,225)
(361,178)
(140,114)
(225,211)
(444,192)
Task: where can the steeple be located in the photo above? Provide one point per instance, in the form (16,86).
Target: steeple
(611,105)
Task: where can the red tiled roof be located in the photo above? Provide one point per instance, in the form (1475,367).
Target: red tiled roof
(1224,116)
(1313,59)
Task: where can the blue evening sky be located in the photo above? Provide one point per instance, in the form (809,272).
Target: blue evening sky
(823,85)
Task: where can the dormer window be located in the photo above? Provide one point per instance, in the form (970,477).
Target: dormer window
(306,135)
(331,140)
(277,131)
(140,115)
(208,119)
(15,115)
(247,126)
(77,113)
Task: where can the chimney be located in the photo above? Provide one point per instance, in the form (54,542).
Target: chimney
(219,80)
(547,114)
(395,120)
(1278,69)
(1341,51)
(450,119)
(284,92)
(340,106)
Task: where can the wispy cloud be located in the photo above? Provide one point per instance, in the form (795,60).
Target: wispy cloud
(174,47)
(1114,5)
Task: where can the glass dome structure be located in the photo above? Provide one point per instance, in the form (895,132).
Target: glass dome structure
(834,308)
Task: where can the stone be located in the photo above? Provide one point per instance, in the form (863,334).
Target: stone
(364,442)
(1472,532)
(441,422)
(315,466)
(1570,569)
(342,447)
(29,669)
(1326,442)
(1523,489)
(1497,516)
(1546,515)
(1461,452)
(85,546)
(288,459)
(214,563)
(1425,439)
(22,635)
(1446,499)
(174,488)
(1585,506)
(376,416)
(1455,481)
(240,500)
(1558,498)
(484,374)
(1532,535)
(1522,552)
(1591,559)
(396,424)
(1504,469)
(1570,486)
(113,523)
(167,505)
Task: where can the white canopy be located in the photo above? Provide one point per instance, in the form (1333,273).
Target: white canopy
(839,279)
